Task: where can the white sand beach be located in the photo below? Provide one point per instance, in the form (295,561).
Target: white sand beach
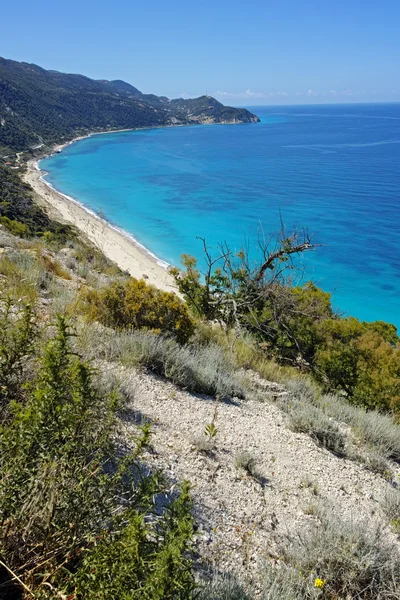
(117,245)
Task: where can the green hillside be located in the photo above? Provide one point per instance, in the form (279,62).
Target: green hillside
(42,107)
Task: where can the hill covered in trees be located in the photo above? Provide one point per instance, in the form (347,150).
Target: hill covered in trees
(42,107)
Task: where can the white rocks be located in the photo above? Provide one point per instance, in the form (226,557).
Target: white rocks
(242,517)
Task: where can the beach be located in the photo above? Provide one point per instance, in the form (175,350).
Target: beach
(116,244)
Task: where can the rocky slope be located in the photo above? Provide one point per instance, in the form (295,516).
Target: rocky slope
(245,514)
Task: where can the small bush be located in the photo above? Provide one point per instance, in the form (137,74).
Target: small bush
(336,559)
(53,266)
(204,369)
(223,587)
(304,389)
(17,334)
(391,507)
(379,431)
(15,227)
(308,419)
(134,304)
(203,444)
(246,461)
(377,463)
(77,516)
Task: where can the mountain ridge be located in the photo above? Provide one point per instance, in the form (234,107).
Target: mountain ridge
(39,106)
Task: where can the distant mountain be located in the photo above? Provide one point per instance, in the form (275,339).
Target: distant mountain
(43,107)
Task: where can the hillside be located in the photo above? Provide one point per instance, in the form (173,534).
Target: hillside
(42,107)
(112,395)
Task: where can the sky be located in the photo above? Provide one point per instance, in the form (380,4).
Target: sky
(244,53)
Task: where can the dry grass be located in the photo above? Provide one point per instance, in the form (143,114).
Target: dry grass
(391,507)
(350,560)
(198,369)
(378,432)
(53,266)
(21,277)
(305,418)
(223,587)
(244,352)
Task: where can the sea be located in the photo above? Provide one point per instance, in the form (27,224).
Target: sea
(332,169)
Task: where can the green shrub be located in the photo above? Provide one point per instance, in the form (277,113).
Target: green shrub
(362,360)
(290,318)
(17,333)
(77,515)
(15,227)
(134,304)
(140,560)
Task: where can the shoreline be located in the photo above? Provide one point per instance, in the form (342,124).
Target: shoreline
(115,243)
(60,147)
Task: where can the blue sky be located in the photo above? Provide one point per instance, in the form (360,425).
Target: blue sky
(243,53)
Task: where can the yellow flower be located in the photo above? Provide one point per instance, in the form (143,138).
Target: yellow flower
(319,583)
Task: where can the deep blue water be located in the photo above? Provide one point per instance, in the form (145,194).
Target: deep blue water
(334,169)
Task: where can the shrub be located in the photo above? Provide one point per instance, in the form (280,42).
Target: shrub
(391,507)
(17,334)
(142,557)
(77,516)
(308,419)
(362,360)
(223,587)
(15,227)
(247,462)
(134,304)
(336,559)
(201,369)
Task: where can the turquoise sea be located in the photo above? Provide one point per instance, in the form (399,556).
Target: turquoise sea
(334,169)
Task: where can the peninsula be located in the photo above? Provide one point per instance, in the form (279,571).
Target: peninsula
(40,108)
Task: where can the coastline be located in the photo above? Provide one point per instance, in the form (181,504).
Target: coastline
(116,244)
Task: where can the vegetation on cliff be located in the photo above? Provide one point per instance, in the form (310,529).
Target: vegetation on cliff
(296,324)
(18,212)
(43,107)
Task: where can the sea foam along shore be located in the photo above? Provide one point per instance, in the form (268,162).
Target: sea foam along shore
(116,244)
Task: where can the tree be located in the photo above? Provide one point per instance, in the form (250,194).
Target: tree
(253,296)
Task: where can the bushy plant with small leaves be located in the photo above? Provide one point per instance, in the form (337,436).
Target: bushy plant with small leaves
(77,514)
(134,304)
